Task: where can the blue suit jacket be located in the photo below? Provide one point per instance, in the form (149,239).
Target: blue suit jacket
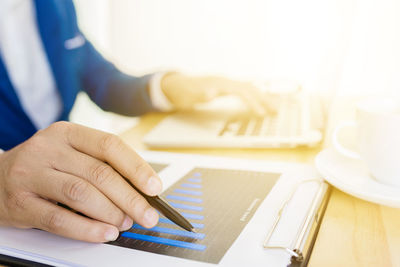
(74,69)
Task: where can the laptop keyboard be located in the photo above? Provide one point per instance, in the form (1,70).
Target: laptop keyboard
(286,122)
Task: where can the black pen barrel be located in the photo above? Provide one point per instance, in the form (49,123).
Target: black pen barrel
(169,212)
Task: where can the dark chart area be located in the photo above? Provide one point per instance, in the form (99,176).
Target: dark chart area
(219,203)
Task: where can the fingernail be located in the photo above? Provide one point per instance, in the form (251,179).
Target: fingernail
(111,234)
(154,185)
(150,217)
(127,224)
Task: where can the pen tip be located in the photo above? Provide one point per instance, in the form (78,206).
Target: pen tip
(193,230)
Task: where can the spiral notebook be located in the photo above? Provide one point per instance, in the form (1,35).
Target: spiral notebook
(245,212)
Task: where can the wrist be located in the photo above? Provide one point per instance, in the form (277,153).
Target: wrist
(180,89)
(160,100)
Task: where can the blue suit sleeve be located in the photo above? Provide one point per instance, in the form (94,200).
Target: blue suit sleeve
(111,89)
(108,87)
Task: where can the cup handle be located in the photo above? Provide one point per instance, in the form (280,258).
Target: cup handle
(338,146)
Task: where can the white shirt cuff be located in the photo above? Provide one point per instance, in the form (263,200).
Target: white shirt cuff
(158,98)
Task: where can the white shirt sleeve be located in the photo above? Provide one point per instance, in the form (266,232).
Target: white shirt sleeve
(158,98)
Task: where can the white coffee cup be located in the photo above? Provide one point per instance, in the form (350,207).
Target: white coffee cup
(378,138)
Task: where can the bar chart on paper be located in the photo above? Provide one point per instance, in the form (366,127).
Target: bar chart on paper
(217,202)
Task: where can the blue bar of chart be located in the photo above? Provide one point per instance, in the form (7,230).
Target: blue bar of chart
(183,198)
(191,185)
(164,241)
(188,192)
(186,203)
(185,207)
(194,180)
(171,231)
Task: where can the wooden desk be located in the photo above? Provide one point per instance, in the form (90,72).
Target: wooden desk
(353,232)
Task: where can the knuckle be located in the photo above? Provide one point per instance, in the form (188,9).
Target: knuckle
(76,190)
(61,126)
(51,220)
(140,169)
(120,217)
(108,142)
(62,129)
(134,202)
(16,200)
(20,201)
(101,174)
(114,214)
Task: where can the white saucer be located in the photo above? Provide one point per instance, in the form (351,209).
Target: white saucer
(352,176)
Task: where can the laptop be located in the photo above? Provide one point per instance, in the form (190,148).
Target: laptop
(298,121)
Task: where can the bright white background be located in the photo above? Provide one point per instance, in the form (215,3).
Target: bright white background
(343,46)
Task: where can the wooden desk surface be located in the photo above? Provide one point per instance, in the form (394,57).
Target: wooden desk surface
(353,232)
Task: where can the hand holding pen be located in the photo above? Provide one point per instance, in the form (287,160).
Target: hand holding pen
(84,169)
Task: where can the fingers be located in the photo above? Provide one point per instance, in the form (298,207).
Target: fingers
(196,90)
(44,215)
(256,100)
(111,184)
(111,149)
(205,88)
(81,196)
(253,98)
(264,102)
(253,102)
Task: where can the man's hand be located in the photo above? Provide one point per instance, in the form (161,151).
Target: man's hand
(186,91)
(83,169)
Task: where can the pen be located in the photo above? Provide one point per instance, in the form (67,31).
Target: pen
(162,206)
